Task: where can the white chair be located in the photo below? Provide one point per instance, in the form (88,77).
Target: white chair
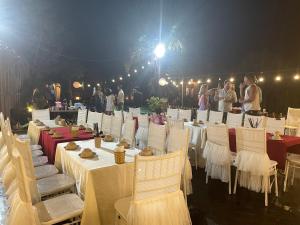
(81,117)
(118,113)
(135,111)
(129,132)
(185,114)
(292,162)
(273,125)
(234,120)
(64,208)
(157,138)
(202,115)
(254,167)
(106,124)
(215,117)
(178,140)
(175,123)
(157,198)
(217,154)
(40,114)
(172,113)
(142,132)
(116,127)
(293,118)
(94,117)
(127,115)
(256,120)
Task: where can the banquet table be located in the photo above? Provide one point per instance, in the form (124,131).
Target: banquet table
(49,143)
(276,149)
(34,131)
(100,181)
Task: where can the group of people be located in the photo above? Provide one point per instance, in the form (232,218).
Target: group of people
(109,102)
(250,96)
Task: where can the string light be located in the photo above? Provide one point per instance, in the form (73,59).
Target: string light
(199,82)
(261,79)
(296,77)
(135,70)
(189,83)
(89,85)
(208,80)
(98,85)
(113,80)
(149,62)
(278,78)
(220,79)
(143,67)
(181,82)
(121,78)
(231,79)
(128,75)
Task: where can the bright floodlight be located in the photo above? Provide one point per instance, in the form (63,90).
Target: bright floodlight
(160,50)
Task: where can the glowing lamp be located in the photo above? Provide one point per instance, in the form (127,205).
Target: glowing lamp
(160,50)
(296,77)
(278,78)
(162,82)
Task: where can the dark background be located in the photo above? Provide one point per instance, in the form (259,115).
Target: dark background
(92,41)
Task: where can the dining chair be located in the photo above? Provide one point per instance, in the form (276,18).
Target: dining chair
(217,154)
(178,140)
(253,166)
(260,121)
(63,209)
(94,117)
(157,138)
(116,127)
(118,113)
(185,114)
(215,117)
(292,163)
(127,115)
(274,124)
(293,117)
(234,120)
(157,198)
(174,123)
(142,132)
(135,111)
(40,114)
(106,124)
(129,132)
(172,113)
(202,115)
(81,117)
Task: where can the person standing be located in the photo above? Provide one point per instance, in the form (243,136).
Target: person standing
(120,98)
(110,102)
(99,100)
(203,97)
(251,98)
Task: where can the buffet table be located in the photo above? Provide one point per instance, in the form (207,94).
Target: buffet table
(100,181)
(49,143)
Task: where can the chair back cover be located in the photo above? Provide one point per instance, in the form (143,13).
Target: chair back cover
(129,131)
(234,120)
(185,114)
(215,117)
(218,134)
(135,111)
(273,125)
(106,124)
(202,115)
(175,123)
(81,117)
(172,113)
(116,126)
(118,113)
(260,120)
(143,121)
(251,139)
(40,114)
(94,117)
(178,140)
(293,117)
(127,115)
(157,137)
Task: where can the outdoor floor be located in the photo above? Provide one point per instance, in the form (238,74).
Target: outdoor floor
(210,204)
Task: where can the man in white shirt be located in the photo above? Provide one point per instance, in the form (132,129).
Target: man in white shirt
(225,97)
(120,98)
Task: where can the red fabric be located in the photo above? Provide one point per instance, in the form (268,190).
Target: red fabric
(49,144)
(276,149)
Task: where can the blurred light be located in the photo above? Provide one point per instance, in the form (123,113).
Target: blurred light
(174,83)
(149,62)
(89,85)
(261,79)
(168,78)
(296,77)
(208,80)
(160,50)
(278,78)
(98,85)
(177,85)
(135,70)
(128,75)
(76,84)
(77,98)
(199,82)
(143,67)
(29,108)
(220,78)
(113,80)
(162,82)
(121,78)
(189,83)
(127,98)
(231,79)
(181,82)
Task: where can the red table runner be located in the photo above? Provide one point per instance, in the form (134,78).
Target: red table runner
(276,149)
(49,143)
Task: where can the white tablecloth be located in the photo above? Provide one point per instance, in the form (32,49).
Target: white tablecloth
(34,130)
(99,181)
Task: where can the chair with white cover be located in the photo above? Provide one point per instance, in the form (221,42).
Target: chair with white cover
(254,168)
(292,162)
(94,117)
(215,117)
(65,208)
(116,127)
(118,113)
(202,115)
(273,125)
(175,123)
(185,114)
(106,124)
(256,120)
(142,132)
(178,140)
(293,121)
(234,120)
(129,132)
(127,115)
(135,111)
(40,114)
(217,154)
(157,138)
(81,117)
(172,113)
(157,198)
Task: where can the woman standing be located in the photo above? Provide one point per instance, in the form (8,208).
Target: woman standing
(110,102)
(203,97)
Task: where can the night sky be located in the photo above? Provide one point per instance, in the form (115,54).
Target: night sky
(98,38)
